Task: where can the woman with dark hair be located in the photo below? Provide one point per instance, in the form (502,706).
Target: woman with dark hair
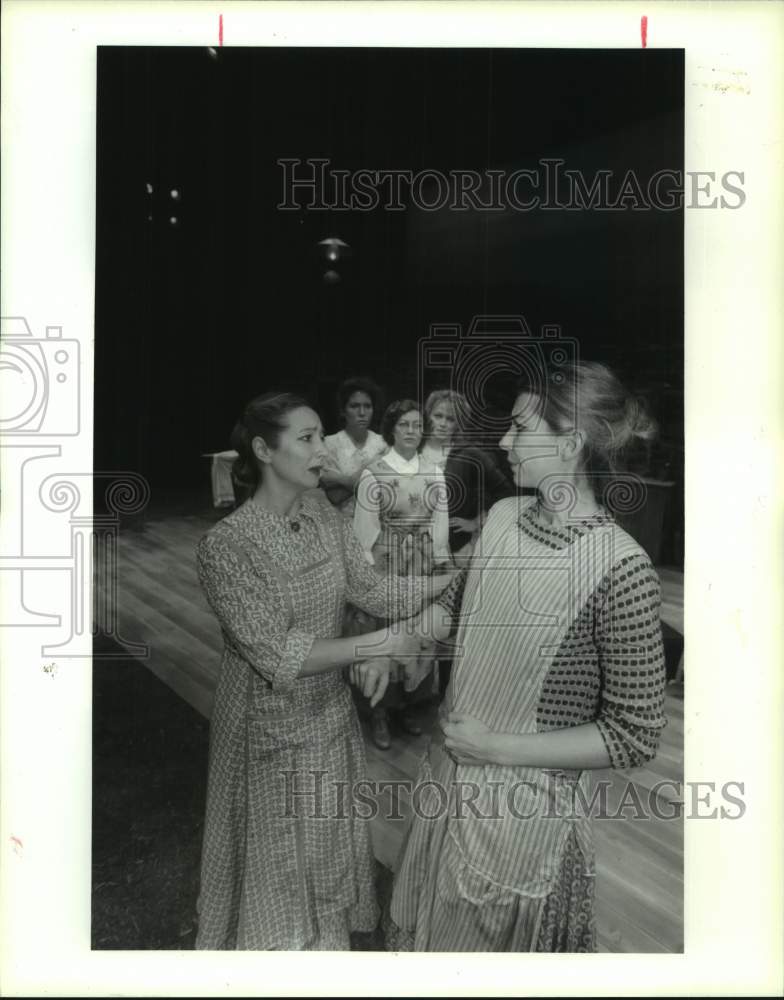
(401,522)
(354,447)
(284,864)
(558,670)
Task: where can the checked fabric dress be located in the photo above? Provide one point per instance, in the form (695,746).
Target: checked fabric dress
(285,865)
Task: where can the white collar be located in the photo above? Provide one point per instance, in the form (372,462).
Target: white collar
(347,443)
(405,466)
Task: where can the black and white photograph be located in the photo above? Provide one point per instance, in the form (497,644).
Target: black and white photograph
(367,343)
(378,577)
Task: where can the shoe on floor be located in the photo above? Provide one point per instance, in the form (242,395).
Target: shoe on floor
(410,724)
(379,731)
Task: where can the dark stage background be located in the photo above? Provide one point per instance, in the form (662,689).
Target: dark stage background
(194,319)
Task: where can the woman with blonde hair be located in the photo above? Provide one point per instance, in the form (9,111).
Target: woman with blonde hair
(474,481)
(558,670)
(472,478)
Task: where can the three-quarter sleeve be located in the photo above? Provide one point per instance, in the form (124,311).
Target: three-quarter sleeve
(631,657)
(251,612)
(367,524)
(385,596)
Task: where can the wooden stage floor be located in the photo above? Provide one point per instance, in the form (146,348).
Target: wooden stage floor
(639,860)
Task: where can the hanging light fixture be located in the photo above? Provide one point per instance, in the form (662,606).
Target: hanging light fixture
(333,249)
(332,252)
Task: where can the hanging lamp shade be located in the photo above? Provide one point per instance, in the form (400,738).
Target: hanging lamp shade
(333,249)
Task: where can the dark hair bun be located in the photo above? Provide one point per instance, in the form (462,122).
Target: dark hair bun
(244,469)
(263,417)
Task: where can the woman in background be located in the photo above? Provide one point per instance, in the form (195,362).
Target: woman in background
(284,865)
(349,452)
(473,480)
(352,449)
(401,522)
(558,670)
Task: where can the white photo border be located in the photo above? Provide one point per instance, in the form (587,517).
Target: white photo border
(734,261)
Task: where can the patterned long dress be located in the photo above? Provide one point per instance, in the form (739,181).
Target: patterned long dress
(285,865)
(559,626)
(402,523)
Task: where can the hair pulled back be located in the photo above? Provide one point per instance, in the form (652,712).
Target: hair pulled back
(264,417)
(589,397)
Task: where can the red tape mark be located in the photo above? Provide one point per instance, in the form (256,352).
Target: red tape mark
(220,30)
(643,30)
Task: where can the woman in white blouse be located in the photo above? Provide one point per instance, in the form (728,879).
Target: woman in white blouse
(353,448)
(401,520)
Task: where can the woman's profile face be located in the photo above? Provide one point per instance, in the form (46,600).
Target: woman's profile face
(531,444)
(358,411)
(408,433)
(300,453)
(442,422)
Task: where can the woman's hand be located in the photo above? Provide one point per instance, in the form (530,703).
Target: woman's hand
(406,645)
(437,584)
(462,558)
(371,678)
(399,642)
(468,525)
(446,567)
(468,740)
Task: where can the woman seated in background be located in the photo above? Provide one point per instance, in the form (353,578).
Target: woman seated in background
(278,870)
(352,449)
(401,522)
(558,670)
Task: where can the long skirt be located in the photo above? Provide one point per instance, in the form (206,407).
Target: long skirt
(285,863)
(448,920)
(441,903)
